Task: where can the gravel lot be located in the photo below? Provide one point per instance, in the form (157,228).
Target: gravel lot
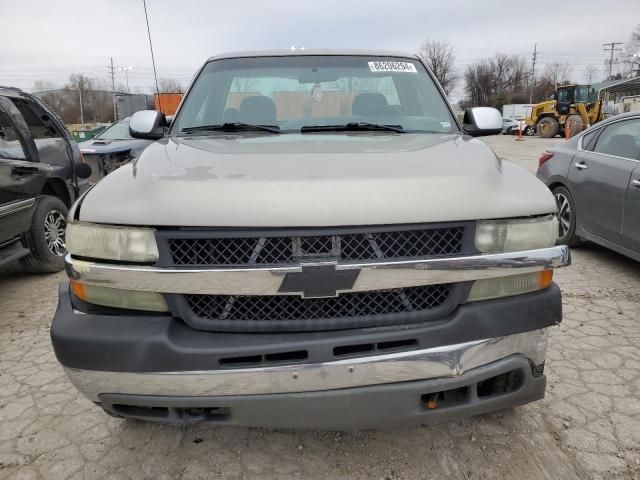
(587,427)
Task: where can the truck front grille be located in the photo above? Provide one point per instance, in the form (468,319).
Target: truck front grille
(290,312)
(271,312)
(198,249)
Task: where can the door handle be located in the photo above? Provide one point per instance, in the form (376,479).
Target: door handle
(22,170)
(635,183)
(581,166)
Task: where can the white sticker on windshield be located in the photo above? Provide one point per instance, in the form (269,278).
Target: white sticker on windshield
(388,66)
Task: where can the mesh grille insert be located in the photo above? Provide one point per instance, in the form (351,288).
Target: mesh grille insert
(289,249)
(291,307)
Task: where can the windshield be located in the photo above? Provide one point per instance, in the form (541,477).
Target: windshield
(585,94)
(117,131)
(292,92)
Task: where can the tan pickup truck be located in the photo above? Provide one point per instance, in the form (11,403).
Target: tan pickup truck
(314,242)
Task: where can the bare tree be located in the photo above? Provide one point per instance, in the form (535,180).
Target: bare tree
(589,72)
(559,72)
(57,99)
(631,57)
(544,89)
(79,81)
(95,95)
(169,85)
(635,36)
(496,81)
(243,84)
(632,62)
(439,57)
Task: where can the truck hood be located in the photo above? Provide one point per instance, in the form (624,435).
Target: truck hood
(296,180)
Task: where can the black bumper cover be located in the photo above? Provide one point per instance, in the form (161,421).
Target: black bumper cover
(160,343)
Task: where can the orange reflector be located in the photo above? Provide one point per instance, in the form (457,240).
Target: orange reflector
(546,277)
(78,290)
(431,401)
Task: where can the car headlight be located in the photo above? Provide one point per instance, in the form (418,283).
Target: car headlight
(489,288)
(131,244)
(496,236)
(119,298)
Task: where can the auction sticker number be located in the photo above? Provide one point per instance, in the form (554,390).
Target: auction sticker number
(388,66)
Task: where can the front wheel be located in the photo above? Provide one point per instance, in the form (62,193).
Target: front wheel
(574,123)
(45,238)
(548,127)
(566,218)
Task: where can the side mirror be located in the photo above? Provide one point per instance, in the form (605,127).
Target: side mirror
(480,121)
(83,170)
(147,124)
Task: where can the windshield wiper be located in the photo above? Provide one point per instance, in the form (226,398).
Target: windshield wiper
(352,127)
(232,127)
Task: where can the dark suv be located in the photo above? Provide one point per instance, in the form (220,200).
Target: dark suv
(41,175)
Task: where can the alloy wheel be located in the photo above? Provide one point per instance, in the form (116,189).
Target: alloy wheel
(564,214)
(54,226)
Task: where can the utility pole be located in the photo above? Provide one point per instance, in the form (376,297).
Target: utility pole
(80,95)
(533,72)
(611,47)
(112,72)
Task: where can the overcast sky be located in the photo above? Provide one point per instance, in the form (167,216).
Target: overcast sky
(48,40)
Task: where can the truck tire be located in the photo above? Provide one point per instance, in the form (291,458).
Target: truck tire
(45,238)
(575,127)
(566,218)
(548,127)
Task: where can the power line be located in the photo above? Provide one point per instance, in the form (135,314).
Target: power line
(153,61)
(611,47)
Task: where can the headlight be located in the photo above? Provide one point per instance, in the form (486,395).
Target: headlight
(496,236)
(119,298)
(112,243)
(488,288)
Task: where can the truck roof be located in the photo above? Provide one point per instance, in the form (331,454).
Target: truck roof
(12,91)
(311,51)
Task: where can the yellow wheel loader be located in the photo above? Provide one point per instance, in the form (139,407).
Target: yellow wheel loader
(575,107)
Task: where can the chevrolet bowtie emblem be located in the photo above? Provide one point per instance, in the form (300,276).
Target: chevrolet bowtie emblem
(316,281)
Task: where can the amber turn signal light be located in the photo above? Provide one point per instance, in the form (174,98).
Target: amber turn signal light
(546,277)
(78,290)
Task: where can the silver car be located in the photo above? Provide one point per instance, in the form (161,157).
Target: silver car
(595,178)
(510,126)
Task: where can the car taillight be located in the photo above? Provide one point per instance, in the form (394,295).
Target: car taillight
(544,157)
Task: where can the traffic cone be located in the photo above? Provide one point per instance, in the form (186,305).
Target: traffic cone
(519,138)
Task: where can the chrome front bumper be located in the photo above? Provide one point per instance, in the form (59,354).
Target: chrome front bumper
(439,362)
(374,275)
